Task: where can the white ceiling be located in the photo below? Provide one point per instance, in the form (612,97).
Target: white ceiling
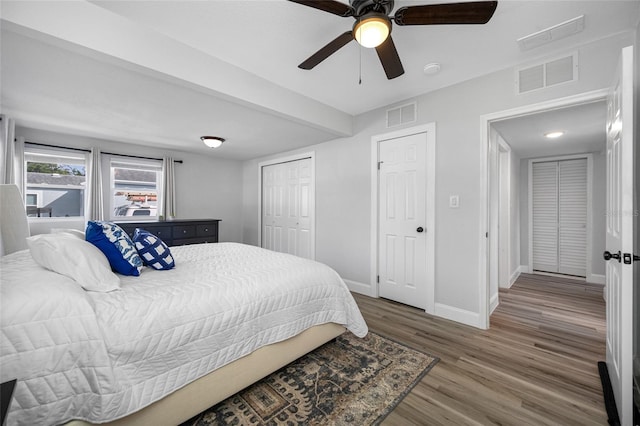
(166,72)
(583,127)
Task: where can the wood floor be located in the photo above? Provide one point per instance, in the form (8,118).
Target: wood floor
(536,365)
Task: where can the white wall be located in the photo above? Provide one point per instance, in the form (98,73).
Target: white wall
(343,177)
(342,202)
(206,187)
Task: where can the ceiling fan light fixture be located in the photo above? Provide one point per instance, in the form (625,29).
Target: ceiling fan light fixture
(212,141)
(372,30)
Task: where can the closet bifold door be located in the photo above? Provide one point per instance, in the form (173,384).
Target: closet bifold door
(559,207)
(545,216)
(572,217)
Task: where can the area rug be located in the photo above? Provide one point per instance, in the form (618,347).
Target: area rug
(348,381)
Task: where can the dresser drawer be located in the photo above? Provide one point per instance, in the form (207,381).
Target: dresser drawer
(178,232)
(184,231)
(162,232)
(206,230)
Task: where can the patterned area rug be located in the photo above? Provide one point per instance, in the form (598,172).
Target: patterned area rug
(348,381)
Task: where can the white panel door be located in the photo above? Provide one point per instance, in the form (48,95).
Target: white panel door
(273,207)
(298,219)
(287,207)
(572,217)
(402,220)
(545,216)
(619,240)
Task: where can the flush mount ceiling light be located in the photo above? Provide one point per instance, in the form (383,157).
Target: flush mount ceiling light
(553,135)
(212,141)
(372,29)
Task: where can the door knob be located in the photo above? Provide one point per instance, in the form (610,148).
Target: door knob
(420,229)
(608,255)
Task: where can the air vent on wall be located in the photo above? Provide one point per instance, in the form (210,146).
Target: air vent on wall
(548,35)
(401,115)
(547,74)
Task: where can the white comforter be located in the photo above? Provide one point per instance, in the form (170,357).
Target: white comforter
(101,356)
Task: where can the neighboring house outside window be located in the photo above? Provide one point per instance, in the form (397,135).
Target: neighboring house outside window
(135,187)
(55,182)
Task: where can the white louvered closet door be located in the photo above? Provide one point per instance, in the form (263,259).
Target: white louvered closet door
(572,217)
(559,196)
(545,216)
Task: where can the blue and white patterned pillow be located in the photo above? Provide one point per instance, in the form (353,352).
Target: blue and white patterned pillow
(153,251)
(116,245)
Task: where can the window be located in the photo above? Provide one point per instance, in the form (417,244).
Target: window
(135,187)
(56,181)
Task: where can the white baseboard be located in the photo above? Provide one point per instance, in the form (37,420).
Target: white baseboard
(524,269)
(596,279)
(457,314)
(515,275)
(493,304)
(358,287)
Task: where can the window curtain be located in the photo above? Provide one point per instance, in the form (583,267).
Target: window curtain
(168,188)
(95,208)
(12,154)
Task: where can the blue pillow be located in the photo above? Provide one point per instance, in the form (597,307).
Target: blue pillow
(116,245)
(153,251)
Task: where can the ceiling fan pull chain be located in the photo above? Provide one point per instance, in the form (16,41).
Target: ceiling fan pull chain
(360,70)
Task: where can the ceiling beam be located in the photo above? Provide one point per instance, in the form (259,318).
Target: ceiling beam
(118,39)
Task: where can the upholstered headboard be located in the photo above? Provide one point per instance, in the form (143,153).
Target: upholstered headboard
(14,228)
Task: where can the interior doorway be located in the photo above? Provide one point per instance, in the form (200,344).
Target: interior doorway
(490,164)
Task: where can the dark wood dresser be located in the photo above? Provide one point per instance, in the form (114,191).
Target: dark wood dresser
(178,232)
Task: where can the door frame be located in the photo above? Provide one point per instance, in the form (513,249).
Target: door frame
(589,230)
(504,214)
(312,208)
(430,130)
(485,182)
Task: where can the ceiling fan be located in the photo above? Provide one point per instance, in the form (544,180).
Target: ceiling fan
(373,25)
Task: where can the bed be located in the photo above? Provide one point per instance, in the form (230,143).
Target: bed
(167,344)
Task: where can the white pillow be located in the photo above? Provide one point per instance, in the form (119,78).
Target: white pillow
(79,260)
(75,232)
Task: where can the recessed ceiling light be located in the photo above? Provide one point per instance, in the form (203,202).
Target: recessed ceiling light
(553,135)
(212,141)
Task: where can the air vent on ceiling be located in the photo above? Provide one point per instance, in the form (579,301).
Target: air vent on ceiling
(547,74)
(401,115)
(548,35)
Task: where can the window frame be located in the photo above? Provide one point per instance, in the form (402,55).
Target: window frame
(122,161)
(33,153)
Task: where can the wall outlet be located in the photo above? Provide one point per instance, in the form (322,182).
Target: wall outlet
(454,201)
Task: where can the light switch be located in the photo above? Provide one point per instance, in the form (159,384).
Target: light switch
(454,201)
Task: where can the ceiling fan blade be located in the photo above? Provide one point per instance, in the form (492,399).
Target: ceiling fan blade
(389,58)
(326,51)
(331,6)
(478,12)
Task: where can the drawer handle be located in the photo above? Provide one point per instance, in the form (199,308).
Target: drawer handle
(184,232)
(206,229)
